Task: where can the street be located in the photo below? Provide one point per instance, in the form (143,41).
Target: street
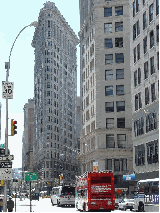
(43,205)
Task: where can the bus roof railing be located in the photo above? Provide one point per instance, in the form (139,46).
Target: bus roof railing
(148,180)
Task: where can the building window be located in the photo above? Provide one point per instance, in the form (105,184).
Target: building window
(137,6)
(110,142)
(108,12)
(119,26)
(109,123)
(119,73)
(108,27)
(119,58)
(146,96)
(152,65)
(146,70)
(109,164)
(136,102)
(120,90)
(109,59)
(116,165)
(119,10)
(140,155)
(108,90)
(119,42)
(135,78)
(151,39)
(144,20)
(121,140)
(152,152)
(124,164)
(151,122)
(120,122)
(153,92)
(109,106)
(138,28)
(145,44)
(134,53)
(139,75)
(140,100)
(134,32)
(157,32)
(108,43)
(138,127)
(157,7)
(49,33)
(158,60)
(150,12)
(120,106)
(134,8)
(138,52)
(108,74)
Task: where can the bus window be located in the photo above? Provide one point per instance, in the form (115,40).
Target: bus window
(155,188)
(95,180)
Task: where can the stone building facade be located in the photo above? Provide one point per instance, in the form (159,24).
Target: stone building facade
(55,78)
(28,136)
(144,58)
(106,88)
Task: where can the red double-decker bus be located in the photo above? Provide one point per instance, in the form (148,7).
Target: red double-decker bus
(95,191)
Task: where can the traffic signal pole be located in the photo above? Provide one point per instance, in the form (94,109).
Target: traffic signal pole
(6,147)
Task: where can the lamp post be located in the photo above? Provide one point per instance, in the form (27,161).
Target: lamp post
(7,66)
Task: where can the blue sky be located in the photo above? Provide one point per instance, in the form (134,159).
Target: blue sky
(14,16)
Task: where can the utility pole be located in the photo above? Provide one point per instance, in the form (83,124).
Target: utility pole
(7,66)
(30,195)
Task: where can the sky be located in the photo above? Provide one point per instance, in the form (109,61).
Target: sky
(14,16)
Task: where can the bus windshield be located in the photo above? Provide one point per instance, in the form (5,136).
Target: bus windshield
(68,190)
(99,180)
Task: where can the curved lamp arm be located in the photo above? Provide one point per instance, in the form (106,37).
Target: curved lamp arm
(35,24)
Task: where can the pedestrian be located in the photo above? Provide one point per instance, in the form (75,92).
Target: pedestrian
(1,204)
(10,204)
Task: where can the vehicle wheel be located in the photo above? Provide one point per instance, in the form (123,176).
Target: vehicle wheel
(84,207)
(141,207)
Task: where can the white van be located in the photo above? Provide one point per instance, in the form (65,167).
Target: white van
(55,195)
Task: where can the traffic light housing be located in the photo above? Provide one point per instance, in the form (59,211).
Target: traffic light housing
(13,127)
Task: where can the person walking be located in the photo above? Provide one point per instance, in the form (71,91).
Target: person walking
(10,204)
(1,204)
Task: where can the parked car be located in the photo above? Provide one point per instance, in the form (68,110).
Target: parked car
(117,201)
(35,196)
(126,204)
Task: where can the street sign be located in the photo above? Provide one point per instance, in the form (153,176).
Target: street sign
(129,177)
(2,145)
(7,89)
(7,158)
(5,164)
(30,176)
(6,173)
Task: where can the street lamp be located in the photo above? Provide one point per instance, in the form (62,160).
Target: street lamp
(7,66)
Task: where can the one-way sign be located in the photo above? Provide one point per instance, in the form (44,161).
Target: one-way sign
(5,164)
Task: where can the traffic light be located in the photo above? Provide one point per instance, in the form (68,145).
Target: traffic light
(1,182)
(13,127)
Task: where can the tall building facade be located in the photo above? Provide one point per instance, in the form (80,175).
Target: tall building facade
(144,57)
(106,87)
(28,136)
(55,80)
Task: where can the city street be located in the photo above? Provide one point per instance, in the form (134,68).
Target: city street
(43,205)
